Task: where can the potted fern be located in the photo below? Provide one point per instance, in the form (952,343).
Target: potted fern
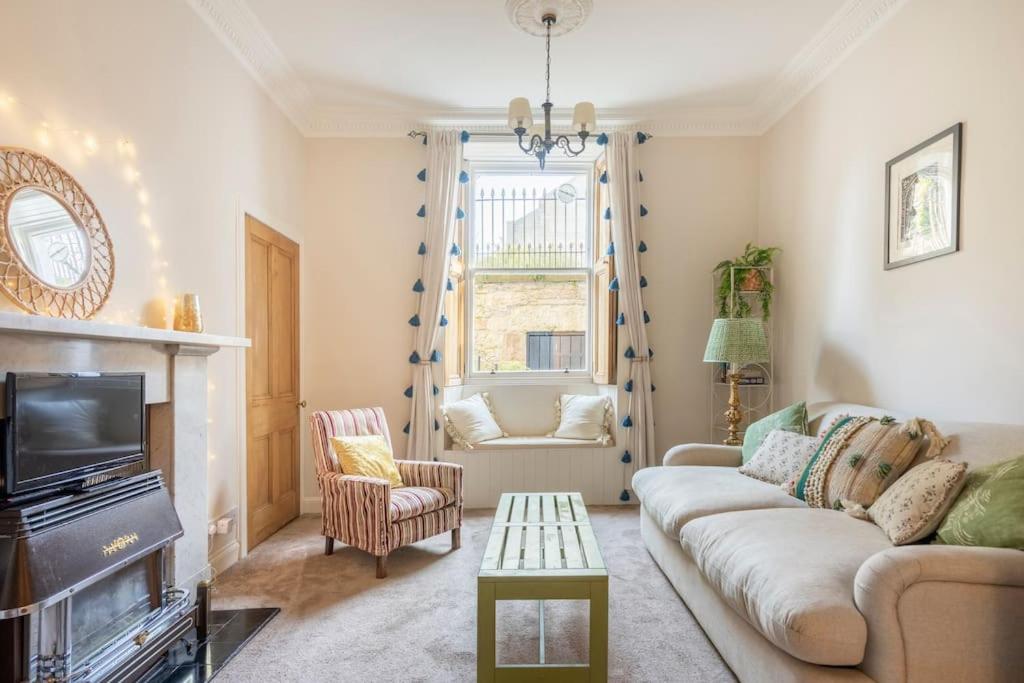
(748,272)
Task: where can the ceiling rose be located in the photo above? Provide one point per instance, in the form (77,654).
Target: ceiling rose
(529,15)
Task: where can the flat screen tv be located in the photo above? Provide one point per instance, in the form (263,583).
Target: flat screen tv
(63,428)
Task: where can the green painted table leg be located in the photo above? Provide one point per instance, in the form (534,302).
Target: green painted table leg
(599,631)
(485,633)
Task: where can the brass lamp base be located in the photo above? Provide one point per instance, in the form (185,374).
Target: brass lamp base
(734,415)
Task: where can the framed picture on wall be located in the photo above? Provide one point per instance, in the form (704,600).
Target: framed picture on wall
(922,200)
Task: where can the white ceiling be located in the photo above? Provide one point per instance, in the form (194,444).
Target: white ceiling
(355,67)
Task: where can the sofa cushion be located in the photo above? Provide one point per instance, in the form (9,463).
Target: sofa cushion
(413,501)
(790,574)
(675,495)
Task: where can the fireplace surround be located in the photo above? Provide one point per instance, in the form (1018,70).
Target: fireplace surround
(175,365)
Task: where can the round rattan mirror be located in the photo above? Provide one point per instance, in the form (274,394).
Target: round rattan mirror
(55,253)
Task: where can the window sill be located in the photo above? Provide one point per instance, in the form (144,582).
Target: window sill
(531,443)
(546,380)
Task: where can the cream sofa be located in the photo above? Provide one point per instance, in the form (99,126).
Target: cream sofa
(788,593)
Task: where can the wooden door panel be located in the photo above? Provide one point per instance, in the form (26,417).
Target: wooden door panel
(272,380)
(257,318)
(283,327)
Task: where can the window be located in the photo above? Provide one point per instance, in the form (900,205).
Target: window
(529,297)
(529,267)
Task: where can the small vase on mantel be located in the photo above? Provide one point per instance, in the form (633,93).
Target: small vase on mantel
(188,317)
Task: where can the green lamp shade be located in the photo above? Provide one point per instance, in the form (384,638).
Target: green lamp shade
(740,341)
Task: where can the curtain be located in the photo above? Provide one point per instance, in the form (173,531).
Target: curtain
(626,212)
(440,212)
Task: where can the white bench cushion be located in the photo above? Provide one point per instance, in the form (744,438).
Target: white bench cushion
(537,442)
(790,574)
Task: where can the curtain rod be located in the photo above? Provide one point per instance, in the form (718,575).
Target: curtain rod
(422,133)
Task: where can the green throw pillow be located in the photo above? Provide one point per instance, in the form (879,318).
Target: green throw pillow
(791,419)
(990,509)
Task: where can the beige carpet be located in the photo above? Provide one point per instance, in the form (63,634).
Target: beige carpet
(339,623)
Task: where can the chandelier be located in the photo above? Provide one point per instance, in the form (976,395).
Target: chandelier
(520,118)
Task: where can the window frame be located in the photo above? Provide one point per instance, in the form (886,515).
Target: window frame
(527,167)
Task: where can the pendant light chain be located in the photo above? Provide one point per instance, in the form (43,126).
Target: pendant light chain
(547,72)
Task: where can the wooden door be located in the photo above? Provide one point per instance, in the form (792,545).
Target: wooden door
(271,380)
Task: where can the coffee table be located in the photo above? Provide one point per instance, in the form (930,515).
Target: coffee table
(542,547)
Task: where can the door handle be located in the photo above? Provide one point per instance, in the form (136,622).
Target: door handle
(300,404)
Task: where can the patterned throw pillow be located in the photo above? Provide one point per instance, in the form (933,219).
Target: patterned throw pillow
(915,505)
(860,457)
(781,457)
(990,510)
(790,419)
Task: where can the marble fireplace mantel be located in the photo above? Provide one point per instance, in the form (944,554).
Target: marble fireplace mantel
(175,364)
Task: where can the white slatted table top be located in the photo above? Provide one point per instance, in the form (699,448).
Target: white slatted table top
(539,535)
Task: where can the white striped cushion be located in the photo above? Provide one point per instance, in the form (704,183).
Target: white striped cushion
(413,501)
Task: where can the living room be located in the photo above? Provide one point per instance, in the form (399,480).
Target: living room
(524,340)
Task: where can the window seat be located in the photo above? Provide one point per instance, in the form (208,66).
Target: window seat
(526,442)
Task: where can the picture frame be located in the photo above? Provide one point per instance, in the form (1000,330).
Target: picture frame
(922,200)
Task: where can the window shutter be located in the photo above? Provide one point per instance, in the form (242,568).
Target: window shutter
(605,302)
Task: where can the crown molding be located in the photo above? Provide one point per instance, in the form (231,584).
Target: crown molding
(840,36)
(242,33)
(240,30)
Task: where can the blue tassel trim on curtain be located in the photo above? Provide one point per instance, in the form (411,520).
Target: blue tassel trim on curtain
(626,458)
(650,352)
(653,388)
(628,387)
(407,424)
(642,247)
(408,391)
(643,282)
(449,286)
(414,358)
(422,211)
(621,320)
(418,286)
(415,320)
(643,211)
(422,249)
(437,425)
(604,178)
(641,175)
(460,214)
(627,422)
(435,356)
(602,139)
(463,177)
(630,353)
(422,176)
(647,318)
(613,286)
(608,213)
(436,390)
(641,138)
(456,249)
(444,320)
(610,251)
(624,496)
(464,136)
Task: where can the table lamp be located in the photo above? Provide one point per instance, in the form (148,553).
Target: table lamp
(738,342)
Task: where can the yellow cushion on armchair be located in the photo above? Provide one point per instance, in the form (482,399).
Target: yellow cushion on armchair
(367,456)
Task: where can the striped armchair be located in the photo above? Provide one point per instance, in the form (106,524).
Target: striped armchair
(366,512)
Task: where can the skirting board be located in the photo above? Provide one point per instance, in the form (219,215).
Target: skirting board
(225,557)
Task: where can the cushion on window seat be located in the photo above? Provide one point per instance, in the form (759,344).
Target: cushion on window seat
(413,501)
(537,442)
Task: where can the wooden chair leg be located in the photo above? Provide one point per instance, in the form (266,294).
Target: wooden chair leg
(456,539)
(382,566)
(328,545)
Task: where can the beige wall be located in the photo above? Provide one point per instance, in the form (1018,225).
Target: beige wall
(940,338)
(205,137)
(362,196)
